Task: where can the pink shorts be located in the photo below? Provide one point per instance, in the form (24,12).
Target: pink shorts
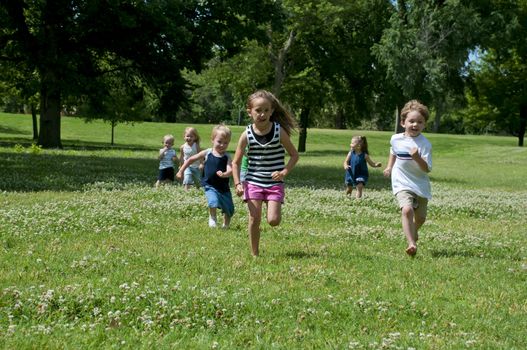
(274,193)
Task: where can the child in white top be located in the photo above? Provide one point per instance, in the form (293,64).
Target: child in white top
(167,157)
(192,175)
(409,163)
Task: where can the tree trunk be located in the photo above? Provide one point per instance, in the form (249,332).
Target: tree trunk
(279,64)
(49,136)
(35,121)
(339,119)
(523,124)
(113,132)
(304,122)
(398,127)
(439,113)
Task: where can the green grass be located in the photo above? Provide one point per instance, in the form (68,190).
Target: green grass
(92,256)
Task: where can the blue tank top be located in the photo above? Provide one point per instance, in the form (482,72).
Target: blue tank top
(211,166)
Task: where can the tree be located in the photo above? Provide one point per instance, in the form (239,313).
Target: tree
(425,49)
(71,44)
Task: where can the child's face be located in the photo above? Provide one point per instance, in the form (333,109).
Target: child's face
(189,137)
(168,143)
(356,144)
(413,124)
(261,110)
(220,142)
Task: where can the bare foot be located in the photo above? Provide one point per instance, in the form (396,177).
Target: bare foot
(411,250)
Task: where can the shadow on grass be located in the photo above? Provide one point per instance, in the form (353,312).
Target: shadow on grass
(299,254)
(78,145)
(480,254)
(12,131)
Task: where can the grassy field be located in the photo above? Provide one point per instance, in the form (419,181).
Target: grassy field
(92,256)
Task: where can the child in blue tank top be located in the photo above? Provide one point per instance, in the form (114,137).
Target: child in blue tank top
(356,165)
(216,173)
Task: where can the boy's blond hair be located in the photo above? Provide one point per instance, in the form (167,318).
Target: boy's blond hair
(221,129)
(414,105)
(168,137)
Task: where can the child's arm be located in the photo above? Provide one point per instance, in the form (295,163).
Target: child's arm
(181,155)
(227,172)
(293,156)
(371,162)
(391,161)
(162,153)
(189,161)
(414,152)
(237,161)
(347,161)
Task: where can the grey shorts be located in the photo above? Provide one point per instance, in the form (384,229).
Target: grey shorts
(410,199)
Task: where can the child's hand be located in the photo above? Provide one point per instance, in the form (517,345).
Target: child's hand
(378,165)
(239,190)
(179,175)
(414,152)
(278,175)
(346,166)
(220,173)
(387,172)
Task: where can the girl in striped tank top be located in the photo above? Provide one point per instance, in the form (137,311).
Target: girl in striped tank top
(265,142)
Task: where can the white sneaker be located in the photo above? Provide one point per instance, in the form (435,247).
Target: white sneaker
(212,222)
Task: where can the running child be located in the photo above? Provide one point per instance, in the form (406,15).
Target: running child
(192,174)
(264,142)
(409,163)
(356,165)
(216,173)
(167,157)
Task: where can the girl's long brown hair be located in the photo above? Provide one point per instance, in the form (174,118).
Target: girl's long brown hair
(280,115)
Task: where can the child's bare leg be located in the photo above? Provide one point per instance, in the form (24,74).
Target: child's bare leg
(407,217)
(226,221)
(255,217)
(360,186)
(212,217)
(418,222)
(349,189)
(158,183)
(187,187)
(274,213)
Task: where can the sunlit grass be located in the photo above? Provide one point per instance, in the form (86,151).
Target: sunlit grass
(92,256)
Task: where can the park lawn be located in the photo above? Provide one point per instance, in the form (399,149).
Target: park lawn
(94,257)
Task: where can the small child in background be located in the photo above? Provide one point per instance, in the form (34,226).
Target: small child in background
(216,173)
(409,163)
(356,165)
(167,157)
(192,175)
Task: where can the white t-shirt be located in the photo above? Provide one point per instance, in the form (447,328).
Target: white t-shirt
(189,151)
(406,173)
(167,160)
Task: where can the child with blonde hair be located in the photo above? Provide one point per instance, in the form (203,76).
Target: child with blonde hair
(167,157)
(356,165)
(409,163)
(192,174)
(264,142)
(216,173)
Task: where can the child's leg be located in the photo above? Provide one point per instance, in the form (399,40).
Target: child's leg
(255,217)
(226,221)
(274,213)
(360,186)
(349,189)
(407,217)
(187,187)
(212,217)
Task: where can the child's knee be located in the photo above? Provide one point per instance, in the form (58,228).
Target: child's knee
(407,211)
(275,221)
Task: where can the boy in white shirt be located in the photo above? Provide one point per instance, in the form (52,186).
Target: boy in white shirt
(409,163)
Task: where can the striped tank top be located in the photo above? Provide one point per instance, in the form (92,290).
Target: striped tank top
(264,159)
